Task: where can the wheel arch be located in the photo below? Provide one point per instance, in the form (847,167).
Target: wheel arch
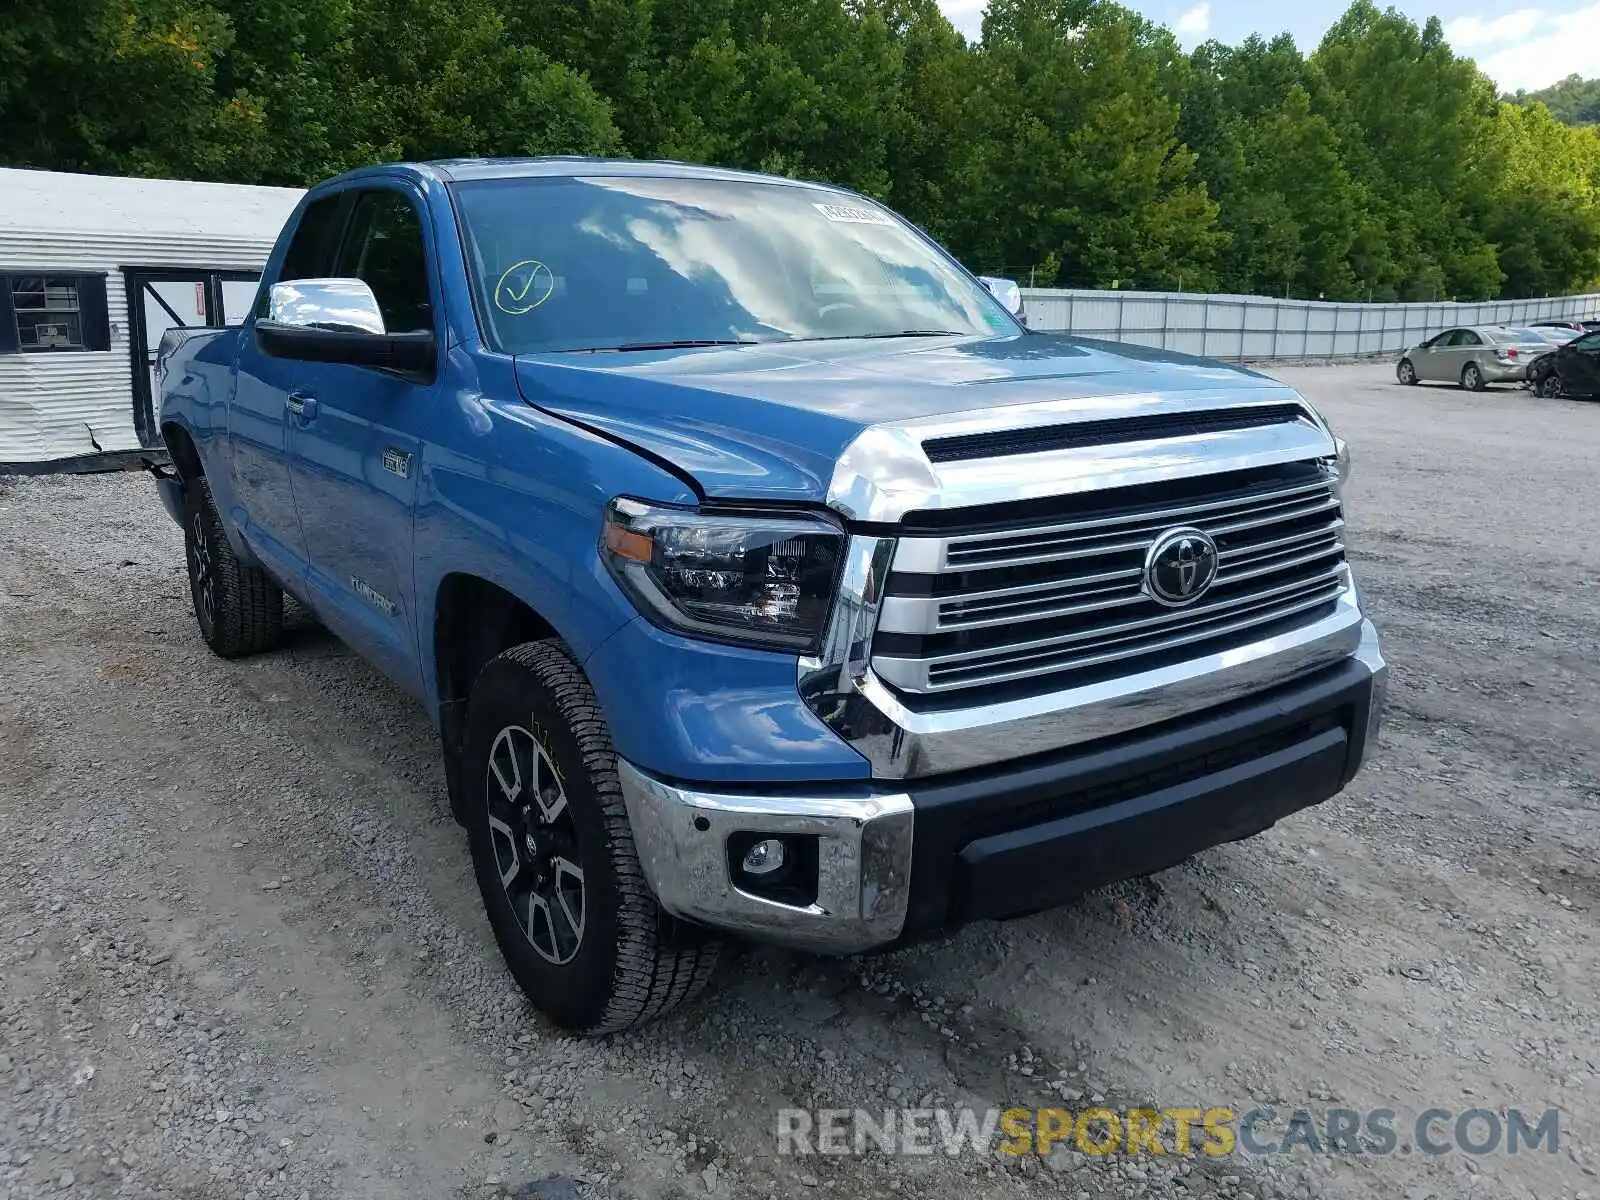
(474,619)
(183,451)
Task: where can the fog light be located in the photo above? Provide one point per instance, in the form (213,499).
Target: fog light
(763,858)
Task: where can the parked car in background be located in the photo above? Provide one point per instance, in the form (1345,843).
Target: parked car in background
(1473,357)
(1571,323)
(1570,370)
(1555,335)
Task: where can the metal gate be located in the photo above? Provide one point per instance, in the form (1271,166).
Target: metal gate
(163,298)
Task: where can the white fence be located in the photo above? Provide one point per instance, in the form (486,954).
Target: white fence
(1258,328)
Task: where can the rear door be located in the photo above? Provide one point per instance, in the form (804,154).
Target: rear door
(1434,362)
(356,449)
(257,420)
(1466,347)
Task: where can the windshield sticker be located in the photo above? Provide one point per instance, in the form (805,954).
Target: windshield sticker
(523,287)
(852,216)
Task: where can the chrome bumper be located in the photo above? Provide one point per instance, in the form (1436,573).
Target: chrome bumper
(863,860)
(865,847)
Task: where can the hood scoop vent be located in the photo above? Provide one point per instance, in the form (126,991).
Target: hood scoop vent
(1076,435)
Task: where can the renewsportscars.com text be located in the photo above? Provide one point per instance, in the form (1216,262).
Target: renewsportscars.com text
(1216,1131)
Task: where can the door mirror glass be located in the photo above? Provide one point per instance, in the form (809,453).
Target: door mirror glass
(1006,291)
(336,305)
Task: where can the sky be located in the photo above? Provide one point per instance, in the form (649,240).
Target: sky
(1517,47)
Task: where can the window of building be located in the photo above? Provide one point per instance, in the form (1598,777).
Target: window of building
(47,312)
(42,312)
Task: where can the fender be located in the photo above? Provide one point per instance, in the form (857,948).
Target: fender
(514,496)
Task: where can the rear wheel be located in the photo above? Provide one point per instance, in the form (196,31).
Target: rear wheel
(239,609)
(1472,378)
(1405,372)
(554,853)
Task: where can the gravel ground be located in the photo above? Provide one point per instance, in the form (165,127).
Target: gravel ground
(241,953)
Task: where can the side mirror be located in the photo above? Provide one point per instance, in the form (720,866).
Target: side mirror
(339,321)
(1007,292)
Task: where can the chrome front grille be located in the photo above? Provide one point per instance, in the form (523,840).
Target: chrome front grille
(1063,595)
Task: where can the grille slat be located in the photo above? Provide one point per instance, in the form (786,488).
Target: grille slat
(1322,533)
(1072,543)
(1247,620)
(1002,607)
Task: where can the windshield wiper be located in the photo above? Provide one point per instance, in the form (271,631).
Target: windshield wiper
(682,344)
(897,333)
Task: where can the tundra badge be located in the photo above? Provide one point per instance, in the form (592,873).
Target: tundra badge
(372,596)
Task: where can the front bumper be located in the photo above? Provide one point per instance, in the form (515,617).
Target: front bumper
(896,865)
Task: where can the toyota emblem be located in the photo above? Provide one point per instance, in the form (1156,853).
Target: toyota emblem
(1180,566)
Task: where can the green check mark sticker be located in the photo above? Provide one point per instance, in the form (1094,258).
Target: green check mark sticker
(523,287)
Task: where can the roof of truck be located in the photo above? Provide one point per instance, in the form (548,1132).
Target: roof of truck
(573,165)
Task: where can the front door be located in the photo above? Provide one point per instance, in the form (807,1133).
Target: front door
(355,448)
(1443,360)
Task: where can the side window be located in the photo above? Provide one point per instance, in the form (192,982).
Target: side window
(1467,338)
(310,253)
(384,248)
(1589,343)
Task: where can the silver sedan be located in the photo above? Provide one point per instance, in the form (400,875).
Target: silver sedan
(1473,357)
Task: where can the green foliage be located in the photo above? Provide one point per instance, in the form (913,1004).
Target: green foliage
(1573,101)
(1073,143)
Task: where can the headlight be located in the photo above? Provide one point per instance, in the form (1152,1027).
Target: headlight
(1340,462)
(762,580)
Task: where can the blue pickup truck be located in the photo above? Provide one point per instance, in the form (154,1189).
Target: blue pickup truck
(762,574)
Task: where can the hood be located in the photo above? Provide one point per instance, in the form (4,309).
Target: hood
(769,422)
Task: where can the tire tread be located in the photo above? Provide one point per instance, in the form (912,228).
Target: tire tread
(249,605)
(660,964)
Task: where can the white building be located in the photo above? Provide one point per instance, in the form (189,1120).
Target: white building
(93,270)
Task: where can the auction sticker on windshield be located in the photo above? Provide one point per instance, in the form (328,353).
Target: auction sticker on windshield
(852,216)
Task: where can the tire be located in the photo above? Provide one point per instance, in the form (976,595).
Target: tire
(239,609)
(595,952)
(1406,373)
(1472,378)
(1551,387)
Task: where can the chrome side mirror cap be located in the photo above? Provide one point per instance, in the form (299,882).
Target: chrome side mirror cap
(335,305)
(1006,291)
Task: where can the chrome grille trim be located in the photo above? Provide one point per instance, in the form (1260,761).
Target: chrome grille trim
(1281,556)
(928,555)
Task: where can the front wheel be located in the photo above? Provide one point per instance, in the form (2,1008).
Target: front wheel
(1550,387)
(554,853)
(1405,372)
(1472,378)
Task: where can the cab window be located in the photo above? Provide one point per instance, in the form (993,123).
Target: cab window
(384,248)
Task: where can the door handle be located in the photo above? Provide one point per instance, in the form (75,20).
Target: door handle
(302,405)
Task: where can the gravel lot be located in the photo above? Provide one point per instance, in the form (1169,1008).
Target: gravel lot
(241,953)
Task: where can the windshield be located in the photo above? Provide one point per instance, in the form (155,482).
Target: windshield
(567,264)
